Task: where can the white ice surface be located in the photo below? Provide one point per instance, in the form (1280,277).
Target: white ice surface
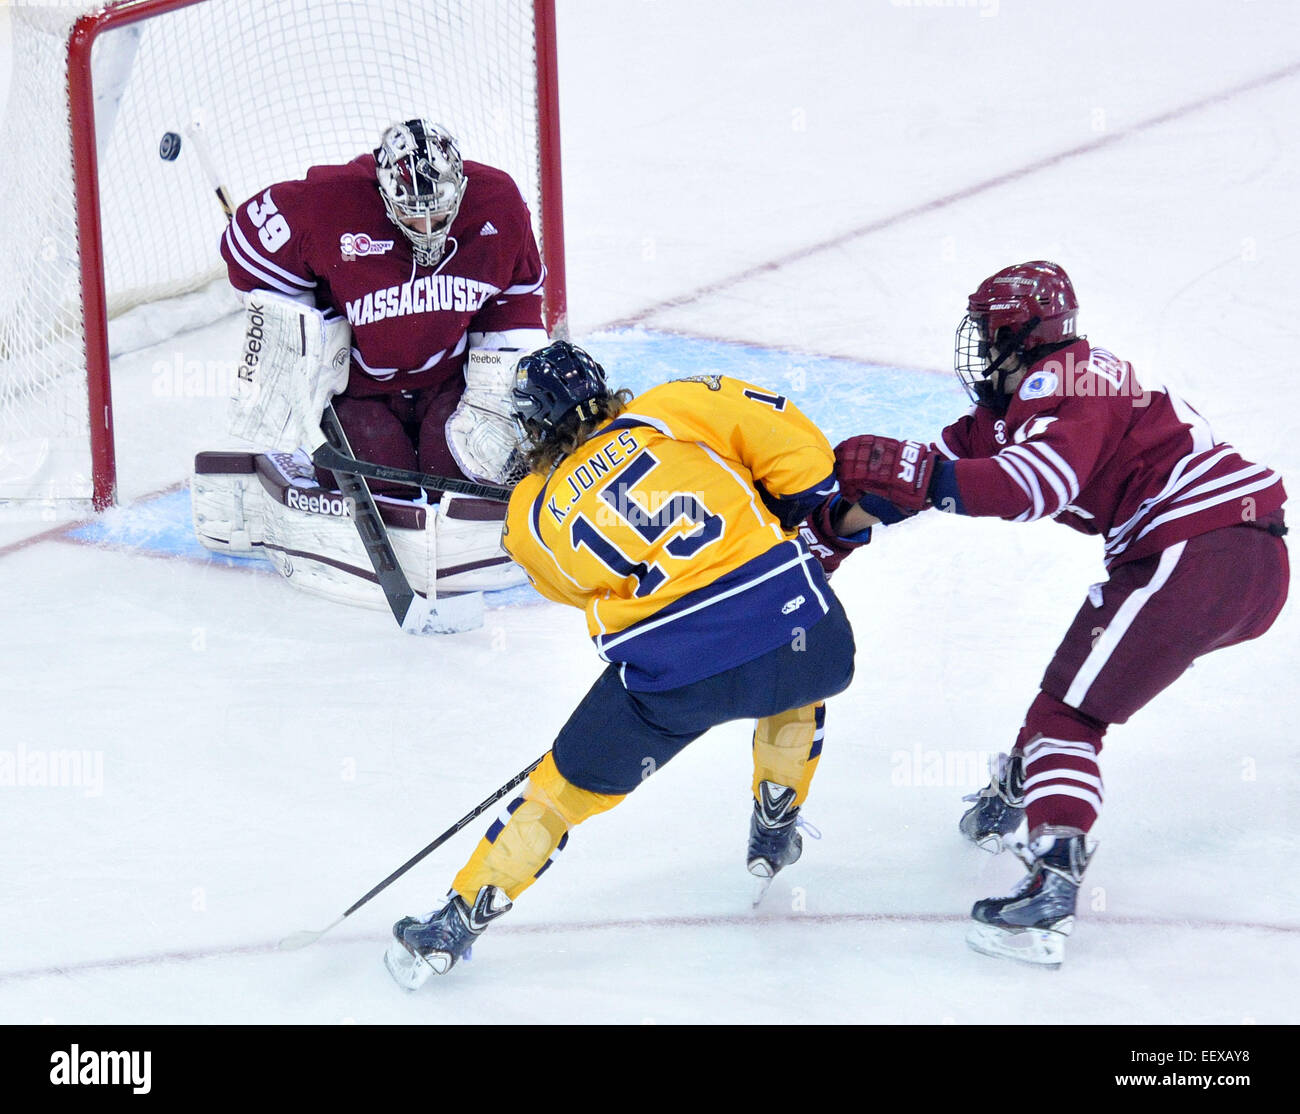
(267,758)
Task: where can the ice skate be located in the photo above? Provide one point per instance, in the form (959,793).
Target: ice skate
(774,841)
(432,945)
(1031,925)
(999,807)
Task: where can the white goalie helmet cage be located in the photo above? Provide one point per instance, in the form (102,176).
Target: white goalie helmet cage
(422,179)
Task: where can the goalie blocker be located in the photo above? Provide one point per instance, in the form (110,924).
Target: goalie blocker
(269,505)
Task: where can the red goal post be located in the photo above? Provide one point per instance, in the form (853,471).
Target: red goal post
(278,87)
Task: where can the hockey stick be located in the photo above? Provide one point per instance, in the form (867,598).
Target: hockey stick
(330,458)
(307,936)
(370,526)
(411,612)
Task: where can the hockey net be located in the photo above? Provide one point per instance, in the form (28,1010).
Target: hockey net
(277,87)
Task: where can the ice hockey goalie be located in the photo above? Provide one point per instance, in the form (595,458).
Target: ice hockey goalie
(399,285)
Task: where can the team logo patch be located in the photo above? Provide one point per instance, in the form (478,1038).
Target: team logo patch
(354,244)
(713,382)
(1039,385)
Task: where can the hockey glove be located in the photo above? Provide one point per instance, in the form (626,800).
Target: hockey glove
(898,471)
(819,534)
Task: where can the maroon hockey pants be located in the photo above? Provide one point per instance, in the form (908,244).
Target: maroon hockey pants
(1134,636)
(401,431)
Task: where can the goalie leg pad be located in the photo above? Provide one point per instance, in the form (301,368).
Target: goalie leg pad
(523,841)
(269,506)
(787,748)
(226,503)
(470,557)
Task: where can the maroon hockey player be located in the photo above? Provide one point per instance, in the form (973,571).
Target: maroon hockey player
(403,285)
(426,257)
(1193,548)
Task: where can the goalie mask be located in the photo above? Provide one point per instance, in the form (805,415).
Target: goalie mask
(1010,317)
(555,383)
(422,180)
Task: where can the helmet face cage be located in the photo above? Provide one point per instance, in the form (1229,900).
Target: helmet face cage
(981,375)
(971,361)
(553,383)
(421,177)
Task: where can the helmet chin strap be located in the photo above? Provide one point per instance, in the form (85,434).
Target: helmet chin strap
(1012,348)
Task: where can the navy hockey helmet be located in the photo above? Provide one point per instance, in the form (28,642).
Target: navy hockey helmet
(554,382)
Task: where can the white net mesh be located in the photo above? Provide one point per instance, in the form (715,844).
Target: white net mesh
(278,87)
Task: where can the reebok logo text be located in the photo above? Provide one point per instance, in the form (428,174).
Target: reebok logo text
(333,505)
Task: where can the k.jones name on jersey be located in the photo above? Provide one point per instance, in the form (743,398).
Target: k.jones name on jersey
(425,294)
(585,475)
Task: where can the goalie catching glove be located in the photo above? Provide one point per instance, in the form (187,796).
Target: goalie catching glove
(871,469)
(481,432)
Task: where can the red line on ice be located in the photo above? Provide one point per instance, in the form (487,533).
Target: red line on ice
(738,920)
(57,533)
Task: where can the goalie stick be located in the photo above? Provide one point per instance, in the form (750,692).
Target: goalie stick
(331,458)
(397,590)
(307,936)
(411,611)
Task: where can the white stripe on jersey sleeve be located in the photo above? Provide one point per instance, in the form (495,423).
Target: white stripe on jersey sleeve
(266,280)
(1068,474)
(525,288)
(1031,485)
(1043,469)
(252,253)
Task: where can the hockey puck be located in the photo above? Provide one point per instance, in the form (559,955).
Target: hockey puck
(169,146)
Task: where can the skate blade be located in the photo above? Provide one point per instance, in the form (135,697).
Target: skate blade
(1040,946)
(992,842)
(762,870)
(411,971)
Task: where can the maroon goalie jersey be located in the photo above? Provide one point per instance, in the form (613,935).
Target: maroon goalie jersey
(1085,443)
(328,235)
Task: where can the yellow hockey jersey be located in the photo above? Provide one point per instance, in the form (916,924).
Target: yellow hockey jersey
(675,528)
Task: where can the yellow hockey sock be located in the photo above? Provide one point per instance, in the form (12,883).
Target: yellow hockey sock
(520,844)
(787,748)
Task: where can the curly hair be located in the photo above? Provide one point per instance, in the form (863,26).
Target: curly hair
(546,448)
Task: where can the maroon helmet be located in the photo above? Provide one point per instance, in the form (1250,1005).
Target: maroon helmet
(1017,310)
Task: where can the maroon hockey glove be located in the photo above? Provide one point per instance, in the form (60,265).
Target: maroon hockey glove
(818,533)
(899,471)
